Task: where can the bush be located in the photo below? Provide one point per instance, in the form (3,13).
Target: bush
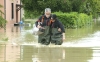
(84,20)
(2,22)
(74,19)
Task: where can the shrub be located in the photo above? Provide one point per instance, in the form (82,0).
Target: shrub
(84,20)
(74,19)
(2,20)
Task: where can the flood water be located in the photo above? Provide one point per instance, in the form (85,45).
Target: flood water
(18,44)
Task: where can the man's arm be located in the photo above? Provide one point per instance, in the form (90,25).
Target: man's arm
(60,25)
(62,29)
(37,22)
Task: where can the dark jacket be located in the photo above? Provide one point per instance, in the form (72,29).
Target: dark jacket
(45,21)
(56,24)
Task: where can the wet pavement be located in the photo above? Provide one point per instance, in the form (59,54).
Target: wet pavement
(81,45)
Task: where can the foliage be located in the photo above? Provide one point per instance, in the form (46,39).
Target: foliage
(31,15)
(34,8)
(74,19)
(2,20)
(40,5)
(5,39)
(90,7)
(76,5)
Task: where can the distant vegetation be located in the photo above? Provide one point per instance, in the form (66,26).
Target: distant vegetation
(36,7)
(72,13)
(74,19)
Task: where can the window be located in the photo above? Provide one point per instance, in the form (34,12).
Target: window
(12,10)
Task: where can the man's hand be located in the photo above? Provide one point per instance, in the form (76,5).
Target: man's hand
(63,37)
(59,29)
(38,26)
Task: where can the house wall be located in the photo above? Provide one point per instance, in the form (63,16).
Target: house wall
(9,11)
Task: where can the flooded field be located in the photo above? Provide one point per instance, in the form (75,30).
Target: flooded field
(18,44)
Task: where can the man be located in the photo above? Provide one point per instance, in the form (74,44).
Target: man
(43,24)
(58,31)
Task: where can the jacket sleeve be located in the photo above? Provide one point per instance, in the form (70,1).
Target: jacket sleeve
(60,25)
(39,20)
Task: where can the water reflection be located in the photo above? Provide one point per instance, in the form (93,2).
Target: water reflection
(26,53)
(57,54)
(2,53)
(9,53)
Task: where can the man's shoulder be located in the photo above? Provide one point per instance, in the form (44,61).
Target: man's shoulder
(42,16)
(58,21)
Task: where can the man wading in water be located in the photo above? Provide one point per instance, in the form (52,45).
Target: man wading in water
(57,31)
(52,28)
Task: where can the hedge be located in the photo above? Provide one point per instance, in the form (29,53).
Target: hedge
(74,19)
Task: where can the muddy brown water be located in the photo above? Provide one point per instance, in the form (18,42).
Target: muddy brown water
(81,45)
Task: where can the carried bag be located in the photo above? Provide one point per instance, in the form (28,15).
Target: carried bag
(37,31)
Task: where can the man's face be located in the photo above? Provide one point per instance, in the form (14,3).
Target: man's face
(48,13)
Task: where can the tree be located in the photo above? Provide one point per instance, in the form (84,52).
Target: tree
(94,7)
(35,7)
(1,11)
(2,20)
(38,6)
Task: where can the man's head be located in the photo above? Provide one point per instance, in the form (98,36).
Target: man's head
(47,12)
(53,17)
